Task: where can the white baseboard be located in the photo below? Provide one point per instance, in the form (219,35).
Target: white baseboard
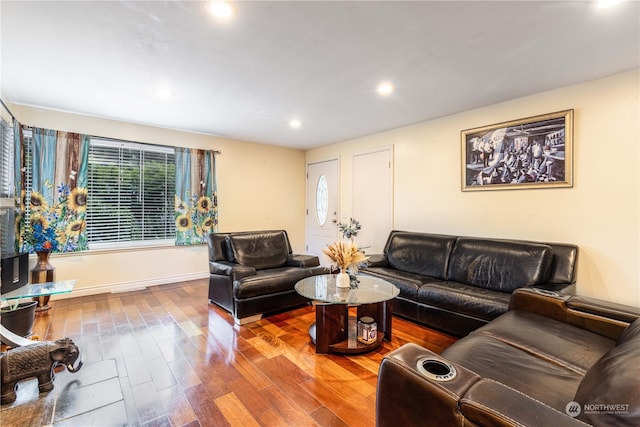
(130,286)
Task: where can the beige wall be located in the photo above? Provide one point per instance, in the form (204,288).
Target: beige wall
(600,213)
(263,187)
(259,187)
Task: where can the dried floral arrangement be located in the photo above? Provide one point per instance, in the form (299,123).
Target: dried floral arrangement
(345,255)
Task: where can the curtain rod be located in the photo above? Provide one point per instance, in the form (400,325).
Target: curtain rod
(7,108)
(106,138)
(93,136)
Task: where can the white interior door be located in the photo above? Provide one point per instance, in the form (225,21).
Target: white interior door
(322,207)
(373,198)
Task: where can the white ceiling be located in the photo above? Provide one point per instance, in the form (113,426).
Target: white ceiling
(317,61)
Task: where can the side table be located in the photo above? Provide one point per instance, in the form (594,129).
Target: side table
(30,291)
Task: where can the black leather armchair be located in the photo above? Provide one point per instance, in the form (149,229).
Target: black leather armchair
(254,272)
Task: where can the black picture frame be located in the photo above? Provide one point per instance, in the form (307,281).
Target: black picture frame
(535,152)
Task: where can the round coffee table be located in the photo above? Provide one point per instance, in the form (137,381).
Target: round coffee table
(334,330)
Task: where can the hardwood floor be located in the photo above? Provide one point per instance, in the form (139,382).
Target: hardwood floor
(165,357)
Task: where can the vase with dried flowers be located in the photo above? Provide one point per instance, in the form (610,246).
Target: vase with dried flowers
(345,256)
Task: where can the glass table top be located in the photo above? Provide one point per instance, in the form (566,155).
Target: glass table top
(39,290)
(323,288)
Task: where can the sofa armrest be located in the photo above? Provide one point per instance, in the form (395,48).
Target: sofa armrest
(407,397)
(377,260)
(231,269)
(621,312)
(489,402)
(540,301)
(242,271)
(221,268)
(303,261)
(601,317)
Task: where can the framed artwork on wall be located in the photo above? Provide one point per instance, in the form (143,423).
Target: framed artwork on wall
(535,152)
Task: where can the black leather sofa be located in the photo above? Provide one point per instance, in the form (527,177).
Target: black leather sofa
(254,272)
(457,284)
(551,360)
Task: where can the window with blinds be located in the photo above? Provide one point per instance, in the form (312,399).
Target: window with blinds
(6,160)
(27,135)
(131,194)
(7,215)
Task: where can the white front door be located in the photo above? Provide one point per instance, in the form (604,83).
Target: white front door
(322,207)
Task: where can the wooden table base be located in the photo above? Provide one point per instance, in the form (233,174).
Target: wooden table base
(335,332)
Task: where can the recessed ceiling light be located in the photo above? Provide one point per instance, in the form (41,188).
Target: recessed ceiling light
(603,4)
(384,88)
(295,123)
(220,9)
(163,92)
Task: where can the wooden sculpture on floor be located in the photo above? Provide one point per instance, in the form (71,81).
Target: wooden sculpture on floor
(36,360)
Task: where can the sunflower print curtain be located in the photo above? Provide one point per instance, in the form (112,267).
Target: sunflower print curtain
(58,197)
(196,200)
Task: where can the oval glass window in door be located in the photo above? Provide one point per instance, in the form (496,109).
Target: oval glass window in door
(322,200)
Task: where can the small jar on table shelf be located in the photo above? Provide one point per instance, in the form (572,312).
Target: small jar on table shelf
(367,330)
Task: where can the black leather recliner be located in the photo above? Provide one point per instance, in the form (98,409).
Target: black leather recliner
(551,360)
(254,272)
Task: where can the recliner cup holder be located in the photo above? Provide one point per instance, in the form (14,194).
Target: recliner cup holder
(436,369)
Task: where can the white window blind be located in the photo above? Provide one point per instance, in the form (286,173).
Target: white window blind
(27,135)
(131,194)
(7,216)
(6,159)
